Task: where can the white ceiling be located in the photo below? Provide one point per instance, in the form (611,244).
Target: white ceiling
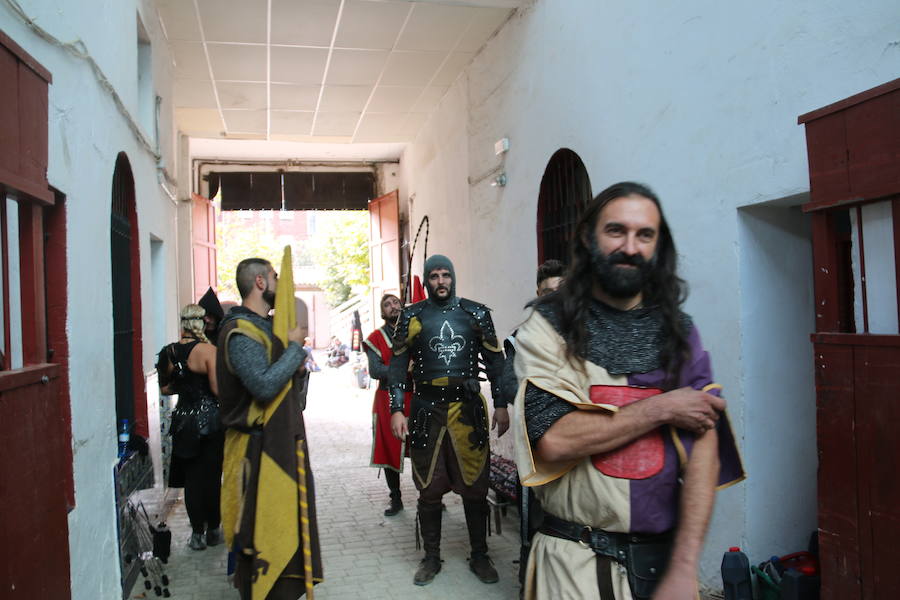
(358,71)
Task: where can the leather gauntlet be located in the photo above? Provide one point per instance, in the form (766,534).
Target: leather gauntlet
(397,392)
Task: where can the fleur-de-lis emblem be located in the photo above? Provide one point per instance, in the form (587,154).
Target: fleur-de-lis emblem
(447,344)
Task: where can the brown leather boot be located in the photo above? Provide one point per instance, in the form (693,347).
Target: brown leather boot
(430,526)
(476,522)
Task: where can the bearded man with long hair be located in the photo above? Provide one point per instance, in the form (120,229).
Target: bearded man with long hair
(621,430)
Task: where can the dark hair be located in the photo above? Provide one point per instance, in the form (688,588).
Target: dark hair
(246,273)
(550,268)
(664,289)
(385,297)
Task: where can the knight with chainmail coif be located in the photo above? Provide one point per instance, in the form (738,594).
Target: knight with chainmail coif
(444,337)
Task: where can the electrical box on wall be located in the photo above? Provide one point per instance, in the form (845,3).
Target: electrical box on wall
(501,146)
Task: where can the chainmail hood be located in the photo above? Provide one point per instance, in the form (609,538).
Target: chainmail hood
(439,261)
(622,342)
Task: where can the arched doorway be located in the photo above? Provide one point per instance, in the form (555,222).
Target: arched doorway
(131,402)
(302,315)
(565,190)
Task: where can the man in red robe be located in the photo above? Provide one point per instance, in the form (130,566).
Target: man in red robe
(387,450)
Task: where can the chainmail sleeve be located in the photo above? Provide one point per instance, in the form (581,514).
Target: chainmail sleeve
(377,369)
(509,383)
(251,365)
(542,410)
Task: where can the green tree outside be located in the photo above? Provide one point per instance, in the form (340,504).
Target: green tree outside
(235,241)
(340,248)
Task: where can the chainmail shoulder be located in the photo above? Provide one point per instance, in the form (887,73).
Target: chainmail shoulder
(621,342)
(542,409)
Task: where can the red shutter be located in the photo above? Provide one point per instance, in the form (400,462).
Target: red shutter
(203,220)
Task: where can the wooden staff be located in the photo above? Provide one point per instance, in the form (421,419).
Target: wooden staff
(304,520)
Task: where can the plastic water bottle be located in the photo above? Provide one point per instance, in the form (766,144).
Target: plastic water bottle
(736,575)
(124,436)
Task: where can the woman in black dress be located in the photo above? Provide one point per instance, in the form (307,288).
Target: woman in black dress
(188,368)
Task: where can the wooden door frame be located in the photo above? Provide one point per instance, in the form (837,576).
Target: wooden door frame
(375,216)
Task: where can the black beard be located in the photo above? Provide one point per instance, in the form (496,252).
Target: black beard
(434,293)
(616,281)
(268,297)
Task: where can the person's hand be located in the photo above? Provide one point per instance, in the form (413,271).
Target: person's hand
(677,585)
(501,420)
(296,335)
(399,425)
(690,409)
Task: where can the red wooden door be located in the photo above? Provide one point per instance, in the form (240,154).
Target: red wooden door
(854,165)
(203,220)
(34,464)
(858,416)
(384,248)
(36,459)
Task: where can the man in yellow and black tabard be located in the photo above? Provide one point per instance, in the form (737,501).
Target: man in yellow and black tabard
(266,472)
(444,336)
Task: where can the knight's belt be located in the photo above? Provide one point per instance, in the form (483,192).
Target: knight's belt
(448,389)
(606,543)
(449,382)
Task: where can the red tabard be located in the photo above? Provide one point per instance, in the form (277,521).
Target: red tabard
(387,451)
(640,458)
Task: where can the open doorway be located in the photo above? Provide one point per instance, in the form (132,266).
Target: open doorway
(345,241)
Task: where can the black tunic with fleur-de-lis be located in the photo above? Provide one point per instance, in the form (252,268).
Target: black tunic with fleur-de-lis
(447,340)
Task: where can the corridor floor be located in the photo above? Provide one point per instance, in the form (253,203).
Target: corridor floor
(364,553)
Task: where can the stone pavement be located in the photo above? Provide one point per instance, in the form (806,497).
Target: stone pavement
(364,553)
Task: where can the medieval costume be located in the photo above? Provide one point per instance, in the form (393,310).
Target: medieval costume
(267,473)
(448,425)
(197,441)
(214,314)
(609,518)
(387,451)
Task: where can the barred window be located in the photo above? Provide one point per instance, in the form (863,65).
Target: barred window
(565,191)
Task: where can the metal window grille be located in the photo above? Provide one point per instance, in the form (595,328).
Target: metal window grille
(120,250)
(565,191)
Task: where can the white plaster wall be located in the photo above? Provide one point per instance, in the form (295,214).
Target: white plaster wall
(881,275)
(435,171)
(86,132)
(388,175)
(699,99)
(779,409)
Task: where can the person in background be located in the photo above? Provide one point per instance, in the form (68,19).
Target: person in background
(214,315)
(310,363)
(188,368)
(387,451)
(338,353)
(549,277)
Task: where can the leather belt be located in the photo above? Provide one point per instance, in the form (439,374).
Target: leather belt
(612,546)
(445,382)
(607,543)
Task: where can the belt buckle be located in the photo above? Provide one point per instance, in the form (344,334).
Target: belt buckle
(586,532)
